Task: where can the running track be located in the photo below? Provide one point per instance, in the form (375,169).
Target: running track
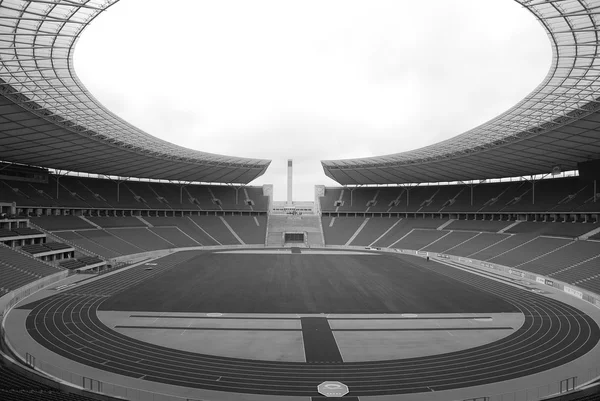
(553,334)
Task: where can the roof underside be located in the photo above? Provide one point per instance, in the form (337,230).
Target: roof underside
(558,124)
(49,119)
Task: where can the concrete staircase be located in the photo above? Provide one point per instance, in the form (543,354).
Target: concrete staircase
(308,224)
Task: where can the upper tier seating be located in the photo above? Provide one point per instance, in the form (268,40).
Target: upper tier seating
(551,195)
(87,193)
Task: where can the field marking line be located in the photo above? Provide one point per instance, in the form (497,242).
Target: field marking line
(156,320)
(189,325)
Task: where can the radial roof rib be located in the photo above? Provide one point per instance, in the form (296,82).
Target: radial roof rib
(49,119)
(556,124)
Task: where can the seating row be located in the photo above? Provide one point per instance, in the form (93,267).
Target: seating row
(87,193)
(550,195)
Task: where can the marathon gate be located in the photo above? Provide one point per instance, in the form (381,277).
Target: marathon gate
(333,389)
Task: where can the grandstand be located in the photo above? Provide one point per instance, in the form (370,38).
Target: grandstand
(82,190)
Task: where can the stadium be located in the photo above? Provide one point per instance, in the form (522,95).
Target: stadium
(132,268)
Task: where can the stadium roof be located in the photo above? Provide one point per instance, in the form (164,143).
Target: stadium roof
(49,119)
(558,124)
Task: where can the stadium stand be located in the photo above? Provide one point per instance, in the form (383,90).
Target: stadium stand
(215,227)
(418,239)
(90,193)
(528,250)
(572,230)
(251,229)
(141,238)
(478,225)
(449,241)
(114,222)
(87,244)
(337,231)
(373,229)
(17,269)
(562,258)
(106,240)
(478,243)
(56,223)
(404,227)
(507,244)
(175,236)
(560,195)
(185,225)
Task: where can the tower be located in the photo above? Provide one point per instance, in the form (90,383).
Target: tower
(289,182)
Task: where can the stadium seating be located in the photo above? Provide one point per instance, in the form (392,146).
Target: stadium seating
(551,195)
(109,241)
(141,238)
(113,222)
(185,225)
(175,236)
(404,226)
(478,243)
(545,248)
(89,193)
(87,244)
(54,223)
(375,227)
(337,231)
(478,225)
(528,250)
(572,230)
(17,269)
(561,259)
(449,241)
(418,239)
(214,226)
(501,247)
(251,229)
(18,387)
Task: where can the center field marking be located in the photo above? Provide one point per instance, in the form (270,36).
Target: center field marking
(315,330)
(298,317)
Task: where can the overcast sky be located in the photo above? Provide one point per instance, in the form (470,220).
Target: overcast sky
(311,79)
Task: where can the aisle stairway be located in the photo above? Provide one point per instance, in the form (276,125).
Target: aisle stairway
(280,224)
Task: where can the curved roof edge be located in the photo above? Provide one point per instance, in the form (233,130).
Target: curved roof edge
(557,124)
(49,119)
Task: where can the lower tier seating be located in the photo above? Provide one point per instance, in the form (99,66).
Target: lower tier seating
(160,233)
(560,255)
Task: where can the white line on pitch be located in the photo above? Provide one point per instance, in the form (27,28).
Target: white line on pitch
(191,321)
